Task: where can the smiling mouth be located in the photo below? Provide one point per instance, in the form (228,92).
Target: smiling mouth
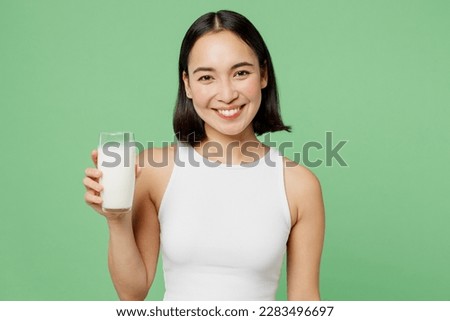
(229,113)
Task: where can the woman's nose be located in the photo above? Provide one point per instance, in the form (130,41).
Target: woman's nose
(227,93)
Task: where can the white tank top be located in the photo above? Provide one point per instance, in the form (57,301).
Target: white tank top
(224,228)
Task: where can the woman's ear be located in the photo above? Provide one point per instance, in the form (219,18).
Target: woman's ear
(187,88)
(264,75)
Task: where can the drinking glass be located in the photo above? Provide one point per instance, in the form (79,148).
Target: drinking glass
(116,160)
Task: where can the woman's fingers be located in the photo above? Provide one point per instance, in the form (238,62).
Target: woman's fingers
(91,198)
(94,156)
(138,170)
(93,173)
(91,184)
(93,187)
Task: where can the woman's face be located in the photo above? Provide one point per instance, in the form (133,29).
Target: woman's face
(224,83)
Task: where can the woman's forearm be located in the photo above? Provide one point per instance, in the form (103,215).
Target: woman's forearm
(125,262)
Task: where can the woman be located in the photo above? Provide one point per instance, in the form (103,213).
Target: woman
(226,207)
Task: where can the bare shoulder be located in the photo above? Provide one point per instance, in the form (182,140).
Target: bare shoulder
(300,177)
(303,188)
(156,158)
(156,165)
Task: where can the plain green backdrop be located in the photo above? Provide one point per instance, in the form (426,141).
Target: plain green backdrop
(374,73)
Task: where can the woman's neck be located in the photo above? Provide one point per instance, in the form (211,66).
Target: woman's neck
(232,149)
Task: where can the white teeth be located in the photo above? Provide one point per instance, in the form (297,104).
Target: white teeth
(228,113)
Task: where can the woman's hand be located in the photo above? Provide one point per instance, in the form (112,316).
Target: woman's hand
(93,189)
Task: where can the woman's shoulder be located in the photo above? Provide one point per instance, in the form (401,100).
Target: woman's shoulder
(299,173)
(157,157)
(156,165)
(302,185)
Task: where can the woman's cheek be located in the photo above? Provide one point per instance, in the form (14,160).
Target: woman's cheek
(202,95)
(252,89)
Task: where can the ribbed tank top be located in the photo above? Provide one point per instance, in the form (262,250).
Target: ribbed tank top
(224,228)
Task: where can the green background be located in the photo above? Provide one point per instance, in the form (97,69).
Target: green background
(375,73)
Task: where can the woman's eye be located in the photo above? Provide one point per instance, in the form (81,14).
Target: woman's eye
(205,78)
(242,73)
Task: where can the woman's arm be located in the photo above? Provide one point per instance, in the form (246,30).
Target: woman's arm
(133,238)
(304,248)
(134,246)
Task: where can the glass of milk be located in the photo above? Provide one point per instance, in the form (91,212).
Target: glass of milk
(116,160)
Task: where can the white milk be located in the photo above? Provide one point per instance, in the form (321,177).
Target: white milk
(118,181)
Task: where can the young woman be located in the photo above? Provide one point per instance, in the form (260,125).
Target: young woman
(225,208)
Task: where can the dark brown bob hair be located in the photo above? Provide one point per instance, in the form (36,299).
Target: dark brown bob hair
(187,125)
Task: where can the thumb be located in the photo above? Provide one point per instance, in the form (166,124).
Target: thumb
(138,169)
(94,156)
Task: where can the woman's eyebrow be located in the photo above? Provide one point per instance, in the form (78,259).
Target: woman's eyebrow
(203,69)
(240,64)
